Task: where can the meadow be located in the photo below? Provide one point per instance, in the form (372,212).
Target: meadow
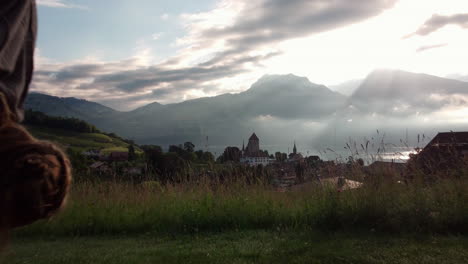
(243,246)
(202,222)
(112,208)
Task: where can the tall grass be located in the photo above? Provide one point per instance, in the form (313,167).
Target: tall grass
(109,208)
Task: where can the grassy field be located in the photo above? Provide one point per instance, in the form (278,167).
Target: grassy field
(117,208)
(109,222)
(80,141)
(254,246)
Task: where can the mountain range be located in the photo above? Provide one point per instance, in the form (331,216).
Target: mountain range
(276,106)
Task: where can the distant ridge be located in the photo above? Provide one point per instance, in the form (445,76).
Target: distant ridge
(275,105)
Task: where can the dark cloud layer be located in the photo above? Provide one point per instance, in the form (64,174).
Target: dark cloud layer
(437,22)
(71,73)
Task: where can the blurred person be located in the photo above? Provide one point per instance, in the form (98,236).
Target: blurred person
(34,175)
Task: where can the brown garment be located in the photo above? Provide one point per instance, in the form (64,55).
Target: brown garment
(18,28)
(34,175)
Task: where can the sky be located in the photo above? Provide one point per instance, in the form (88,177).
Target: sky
(126,53)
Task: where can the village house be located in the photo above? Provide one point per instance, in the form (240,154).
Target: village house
(294,156)
(92,153)
(114,156)
(450,143)
(100,167)
(118,156)
(445,152)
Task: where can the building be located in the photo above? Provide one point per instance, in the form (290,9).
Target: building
(252,155)
(253,147)
(446,152)
(100,167)
(255,161)
(454,140)
(92,153)
(294,156)
(114,156)
(448,144)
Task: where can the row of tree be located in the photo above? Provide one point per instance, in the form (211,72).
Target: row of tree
(176,162)
(36,118)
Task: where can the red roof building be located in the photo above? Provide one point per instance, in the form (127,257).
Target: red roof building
(118,156)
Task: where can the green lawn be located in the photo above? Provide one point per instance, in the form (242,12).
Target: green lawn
(240,247)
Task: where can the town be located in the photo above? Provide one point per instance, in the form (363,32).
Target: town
(285,171)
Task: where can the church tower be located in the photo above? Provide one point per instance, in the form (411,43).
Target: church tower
(294,149)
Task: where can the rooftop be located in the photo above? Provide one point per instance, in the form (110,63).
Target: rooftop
(253,137)
(449,138)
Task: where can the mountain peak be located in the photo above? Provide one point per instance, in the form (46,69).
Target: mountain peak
(390,91)
(281,77)
(383,74)
(149,107)
(288,83)
(65,106)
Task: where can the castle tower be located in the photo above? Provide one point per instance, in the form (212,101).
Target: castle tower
(253,147)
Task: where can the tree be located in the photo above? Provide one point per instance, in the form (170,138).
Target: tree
(314,161)
(66,123)
(176,149)
(171,167)
(281,157)
(208,157)
(131,153)
(230,154)
(79,162)
(153,155)
(182,152)
(189,147)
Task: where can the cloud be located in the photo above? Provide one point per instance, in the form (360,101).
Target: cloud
(237,37)
(130,80)
(437,22)
(157,36)
(424,48)
(249,26)
(279,20)
(459,77)
(165,16)
(402,94)
(59,4)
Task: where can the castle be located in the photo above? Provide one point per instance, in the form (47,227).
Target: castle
(252,155)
